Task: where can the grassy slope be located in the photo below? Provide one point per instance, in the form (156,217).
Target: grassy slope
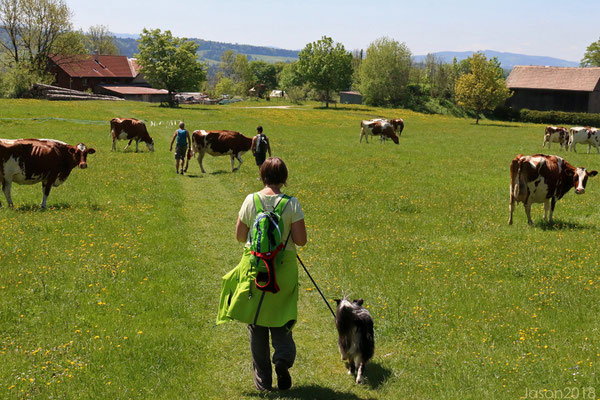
(464,305)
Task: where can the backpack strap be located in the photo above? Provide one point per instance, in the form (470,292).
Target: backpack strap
(258,203)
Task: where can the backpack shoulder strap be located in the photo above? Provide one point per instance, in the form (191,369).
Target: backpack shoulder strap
(258,204)
(279,207)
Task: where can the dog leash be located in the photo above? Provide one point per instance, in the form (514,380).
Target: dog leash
(314,283)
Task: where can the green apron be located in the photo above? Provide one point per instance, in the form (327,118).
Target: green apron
(241,300)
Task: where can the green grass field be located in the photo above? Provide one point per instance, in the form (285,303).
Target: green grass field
(112,291)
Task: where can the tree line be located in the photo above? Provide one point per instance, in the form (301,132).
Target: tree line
(384,74)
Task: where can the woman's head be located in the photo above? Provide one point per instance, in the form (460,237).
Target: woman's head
(273,171)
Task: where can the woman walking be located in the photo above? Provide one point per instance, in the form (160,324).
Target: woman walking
(267,311)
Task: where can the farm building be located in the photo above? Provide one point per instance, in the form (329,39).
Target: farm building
(555,88)
(113,75)
(350,98)
(135,93)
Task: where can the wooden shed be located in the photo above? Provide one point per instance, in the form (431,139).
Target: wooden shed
(555,88)
(350,98)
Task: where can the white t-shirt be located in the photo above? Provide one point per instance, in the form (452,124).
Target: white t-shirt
(291,213)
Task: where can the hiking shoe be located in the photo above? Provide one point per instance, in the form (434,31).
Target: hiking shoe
(284,380)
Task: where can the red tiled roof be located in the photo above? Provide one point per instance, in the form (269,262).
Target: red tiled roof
(554,78)
(90,66)
(133,89)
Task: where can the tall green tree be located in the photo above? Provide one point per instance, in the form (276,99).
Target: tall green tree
(33,28)
(326,67)
(591,58)
(385,72)
(264,73)
(100,40)
(170,62)
(290,77)
(483,88)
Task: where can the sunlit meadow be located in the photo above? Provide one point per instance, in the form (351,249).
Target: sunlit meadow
(112,291)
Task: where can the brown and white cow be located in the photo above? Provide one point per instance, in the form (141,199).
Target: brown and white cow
(132,129)
(377,127)
(556,134)
(220,143)
(29,161)
(544,179)
(584,135)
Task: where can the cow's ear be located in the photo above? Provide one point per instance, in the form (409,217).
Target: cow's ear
(337,301)
(91,151)
(359,302)
(72,150)
(592,173)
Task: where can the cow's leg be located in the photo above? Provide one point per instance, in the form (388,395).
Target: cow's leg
(46,186)
(589,148)
(200,157)
(546,208)
(128,144)
(114,145)
(137,142)
(573,147)
(511,205)
(6,184)
(239,158)
(528,212)
(362,133)
(552,205)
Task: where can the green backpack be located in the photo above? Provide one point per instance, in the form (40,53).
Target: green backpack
(266,242)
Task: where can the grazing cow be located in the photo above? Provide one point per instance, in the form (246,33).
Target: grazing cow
(556,134)
(220,143)
(543,179)
(587,135)
(132,129)
(29,161)
(377,127)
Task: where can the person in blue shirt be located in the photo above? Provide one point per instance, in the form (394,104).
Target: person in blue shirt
(183,142)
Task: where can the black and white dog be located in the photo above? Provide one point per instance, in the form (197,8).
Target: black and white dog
(356,341)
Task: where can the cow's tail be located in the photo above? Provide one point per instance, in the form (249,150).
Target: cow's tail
(193,147)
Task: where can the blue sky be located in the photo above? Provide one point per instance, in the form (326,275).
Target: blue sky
(561,29)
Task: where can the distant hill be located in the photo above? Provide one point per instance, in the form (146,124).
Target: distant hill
(507,60)
(211,52)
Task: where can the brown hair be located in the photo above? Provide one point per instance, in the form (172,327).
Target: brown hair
(273,171)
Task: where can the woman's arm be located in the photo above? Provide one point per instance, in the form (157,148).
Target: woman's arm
(241,231)
(298,232)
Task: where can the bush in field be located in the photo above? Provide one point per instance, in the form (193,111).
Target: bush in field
(296,94)
(17,81)
(559,118)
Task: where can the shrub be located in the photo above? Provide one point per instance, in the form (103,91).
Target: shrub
(17,81)
(559,118)
(296,94)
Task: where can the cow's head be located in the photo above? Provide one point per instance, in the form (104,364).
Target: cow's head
(580,179)
(80,153)
(150,145)
(395,138)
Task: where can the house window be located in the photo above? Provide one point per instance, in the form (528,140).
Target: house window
(84,82)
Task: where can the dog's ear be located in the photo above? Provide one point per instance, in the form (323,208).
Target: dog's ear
(359,302)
